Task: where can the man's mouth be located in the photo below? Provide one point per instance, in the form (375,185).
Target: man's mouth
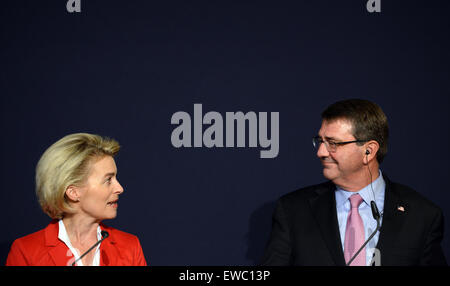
(328,162)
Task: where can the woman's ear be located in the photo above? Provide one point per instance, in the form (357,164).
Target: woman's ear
(73,193)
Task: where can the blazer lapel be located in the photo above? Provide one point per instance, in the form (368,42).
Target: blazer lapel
(109,254)
(324,210)
(394,213)
(59,253)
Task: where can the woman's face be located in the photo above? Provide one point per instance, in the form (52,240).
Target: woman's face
(99,195)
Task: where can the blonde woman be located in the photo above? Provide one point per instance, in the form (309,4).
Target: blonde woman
(76,184)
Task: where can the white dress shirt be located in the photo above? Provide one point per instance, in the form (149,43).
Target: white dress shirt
(64,237)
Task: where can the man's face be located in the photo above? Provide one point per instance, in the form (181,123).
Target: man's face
(346,163)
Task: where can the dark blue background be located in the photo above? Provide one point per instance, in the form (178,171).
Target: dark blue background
(122,68)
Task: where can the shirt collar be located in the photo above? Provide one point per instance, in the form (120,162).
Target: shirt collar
(64,236)
(366,192)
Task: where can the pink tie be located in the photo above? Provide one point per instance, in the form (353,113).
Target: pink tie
(354,233)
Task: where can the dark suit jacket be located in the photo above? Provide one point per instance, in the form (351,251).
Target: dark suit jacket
(43,248)
(305,229)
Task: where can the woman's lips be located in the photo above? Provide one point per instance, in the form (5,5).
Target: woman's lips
(114,204)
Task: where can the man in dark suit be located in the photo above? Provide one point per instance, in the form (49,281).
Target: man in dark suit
(327,224)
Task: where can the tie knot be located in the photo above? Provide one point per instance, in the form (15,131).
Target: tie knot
(355,200)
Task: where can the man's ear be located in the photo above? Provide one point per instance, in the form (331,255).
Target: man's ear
(370,151)
(73,193)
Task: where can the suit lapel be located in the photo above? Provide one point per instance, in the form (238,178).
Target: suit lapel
(393,218)
(109,254)
(59,253)
(324,210)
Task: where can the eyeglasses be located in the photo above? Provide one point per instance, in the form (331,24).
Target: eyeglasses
(331,145)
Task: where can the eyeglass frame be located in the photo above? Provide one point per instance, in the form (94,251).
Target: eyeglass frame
(336,144)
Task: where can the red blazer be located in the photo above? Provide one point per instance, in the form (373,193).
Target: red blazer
(43,248)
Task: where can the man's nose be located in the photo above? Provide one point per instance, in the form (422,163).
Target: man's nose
(322,151)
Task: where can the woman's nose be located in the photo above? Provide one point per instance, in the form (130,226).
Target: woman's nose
(119,188)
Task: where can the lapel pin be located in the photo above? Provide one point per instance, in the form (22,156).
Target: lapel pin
(401,208)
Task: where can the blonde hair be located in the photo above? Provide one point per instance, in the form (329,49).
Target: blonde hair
(66,163)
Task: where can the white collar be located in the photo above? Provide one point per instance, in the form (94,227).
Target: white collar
(64,237)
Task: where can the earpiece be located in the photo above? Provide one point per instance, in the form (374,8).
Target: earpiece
(367,152)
